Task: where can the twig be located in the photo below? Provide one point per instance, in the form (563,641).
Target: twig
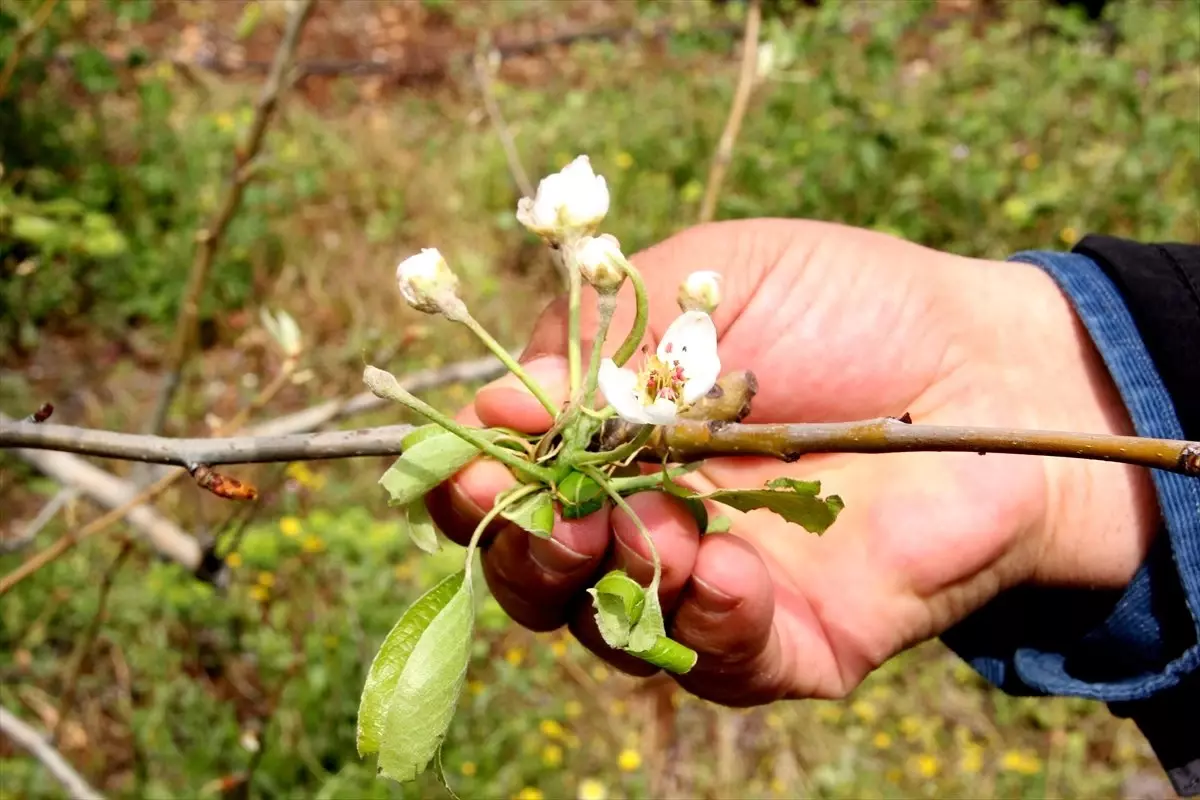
(737,112)
(32,742)
(40,18)
(515,168)
(68,541)
(683,442)
(48,512)
(89,638)
(694,441)
(209,238)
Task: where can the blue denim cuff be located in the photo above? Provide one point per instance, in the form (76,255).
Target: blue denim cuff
(1112,647)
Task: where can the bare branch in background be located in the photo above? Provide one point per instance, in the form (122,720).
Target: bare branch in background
(44,516)
(29,740)
(209,238)
(737,112)
(483,74)
(28,31)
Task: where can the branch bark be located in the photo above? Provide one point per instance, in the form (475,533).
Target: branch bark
(681,443)
(28,739)
(209,238)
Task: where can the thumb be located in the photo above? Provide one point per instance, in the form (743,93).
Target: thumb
(507,403)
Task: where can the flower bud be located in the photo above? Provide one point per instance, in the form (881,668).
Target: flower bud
(601,262)
(700,291)
(567,204)
(428,284)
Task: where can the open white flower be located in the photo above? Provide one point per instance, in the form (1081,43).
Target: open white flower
(570,202)
(681,372)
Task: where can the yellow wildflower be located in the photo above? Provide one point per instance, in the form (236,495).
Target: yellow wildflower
(571,740)
(403,571)
(600,673)
(266,579)
(301,474)
(514,656)
(573,709)
(774,722)
(290,527)
(234,560)
(552,755)
(828,712)
(910,726)
(1031,161)
(778,786)
(224,121)
(591,789)
(259,593)
(629,760)
(927,765)
(530,793)
(551,729)
(468,768)
(475,687)
(623,160)
(1021,762)
(559,648)
(1068,235)
(864,711)
(312,544)
(617,708)
(882,741)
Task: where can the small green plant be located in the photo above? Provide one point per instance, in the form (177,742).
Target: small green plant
(414,683)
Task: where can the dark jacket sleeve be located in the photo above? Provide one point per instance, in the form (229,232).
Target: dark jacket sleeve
(1136,649)
(1160,284)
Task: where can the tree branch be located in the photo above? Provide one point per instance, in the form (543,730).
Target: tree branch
(683,442)
(36,745)
(209,238)
(737,112)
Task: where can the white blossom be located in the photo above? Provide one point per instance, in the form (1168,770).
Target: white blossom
(700,291)
(682,371)
(568,203)
(601,262)
(428,284)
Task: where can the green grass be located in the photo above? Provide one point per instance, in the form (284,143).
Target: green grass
(981,144)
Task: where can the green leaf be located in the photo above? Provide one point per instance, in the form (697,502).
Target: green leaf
(535,513)
(431,455)
(394,654)
(630,618)
(721,524)
(421,530)
(796,501)
(580,495)
(428,690)
(697,508)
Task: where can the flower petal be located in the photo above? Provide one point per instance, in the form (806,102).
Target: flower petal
(691,342)
(661,412)
(620,389)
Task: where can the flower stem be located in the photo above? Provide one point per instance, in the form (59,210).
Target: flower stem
(384,384)
(602,479)
(618,454)
(511,363)
(574,299)
(606,305)
(630,345)
(497,507)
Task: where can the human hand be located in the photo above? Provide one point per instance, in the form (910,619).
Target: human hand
(837,324)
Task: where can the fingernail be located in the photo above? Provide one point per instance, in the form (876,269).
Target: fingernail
(712,599)
(555,557)
(631,559)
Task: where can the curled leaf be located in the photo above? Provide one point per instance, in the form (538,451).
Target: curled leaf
(630,618)
(795,501)
(535,514)
(421,530)
(580,495)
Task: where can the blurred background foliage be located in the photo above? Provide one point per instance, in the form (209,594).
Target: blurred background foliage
(978,127)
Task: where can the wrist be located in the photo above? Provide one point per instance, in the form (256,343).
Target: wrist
(1099,517)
